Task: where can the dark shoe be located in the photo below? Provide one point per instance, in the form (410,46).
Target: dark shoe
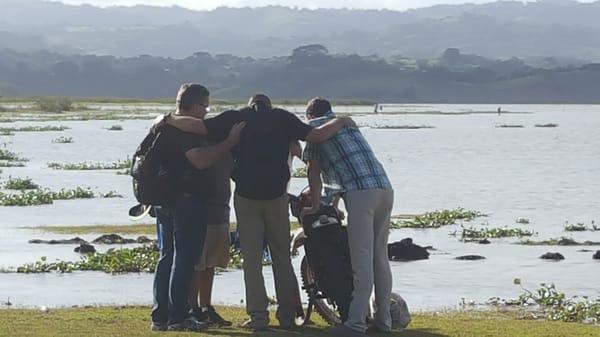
(215,319)
(210,316)
(158,326)
(343,331)
(253,325)
(376,329)
(189,324)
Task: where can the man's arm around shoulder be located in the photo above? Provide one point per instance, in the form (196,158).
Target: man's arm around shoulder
(204,157)
(329,129)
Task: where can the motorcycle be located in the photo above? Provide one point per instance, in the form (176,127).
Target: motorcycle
(326,269)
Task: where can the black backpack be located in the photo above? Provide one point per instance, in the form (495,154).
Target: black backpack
(152,184)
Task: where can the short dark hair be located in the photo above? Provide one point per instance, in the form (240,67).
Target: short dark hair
(318,106)
(260,102)
(190,94)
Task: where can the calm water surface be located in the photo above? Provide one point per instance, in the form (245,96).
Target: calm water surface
(549,175)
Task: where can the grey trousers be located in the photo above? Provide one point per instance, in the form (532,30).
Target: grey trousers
(369,213)
(260,220)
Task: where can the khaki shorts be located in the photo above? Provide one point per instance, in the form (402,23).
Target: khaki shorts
(216,248)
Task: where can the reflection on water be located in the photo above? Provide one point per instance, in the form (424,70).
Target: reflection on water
(549,175)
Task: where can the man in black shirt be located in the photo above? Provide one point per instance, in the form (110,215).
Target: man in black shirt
(261,174)
(182,223)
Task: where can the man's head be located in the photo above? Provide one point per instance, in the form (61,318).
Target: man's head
(193,100)
(317,107)
(260,102)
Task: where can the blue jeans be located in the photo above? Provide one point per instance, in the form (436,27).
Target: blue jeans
(182,230)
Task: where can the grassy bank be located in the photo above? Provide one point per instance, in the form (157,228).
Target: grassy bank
(134,321)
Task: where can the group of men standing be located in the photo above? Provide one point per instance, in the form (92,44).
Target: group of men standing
(252,146)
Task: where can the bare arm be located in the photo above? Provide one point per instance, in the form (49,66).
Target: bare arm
(204,157)
(329,129)
(295,149)
(187,124)
(315,184)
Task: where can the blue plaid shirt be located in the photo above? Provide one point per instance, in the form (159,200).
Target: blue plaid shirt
(347,161)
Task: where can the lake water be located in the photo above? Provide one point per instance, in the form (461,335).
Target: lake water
(549,175)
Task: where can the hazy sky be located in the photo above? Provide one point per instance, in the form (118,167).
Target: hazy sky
(211,4)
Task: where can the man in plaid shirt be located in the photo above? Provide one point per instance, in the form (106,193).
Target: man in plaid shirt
(347,163)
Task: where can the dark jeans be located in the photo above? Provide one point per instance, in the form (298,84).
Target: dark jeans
(182,230)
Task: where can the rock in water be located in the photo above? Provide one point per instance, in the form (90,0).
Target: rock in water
(552,256)
(471,257)
(85,248)
(406,250)
(111,239)
(597,255)
(73,241)
(144,239)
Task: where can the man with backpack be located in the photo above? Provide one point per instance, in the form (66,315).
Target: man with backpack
(347,162)
(261,173)
(187,159)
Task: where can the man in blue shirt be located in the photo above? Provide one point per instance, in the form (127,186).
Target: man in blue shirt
(347,163)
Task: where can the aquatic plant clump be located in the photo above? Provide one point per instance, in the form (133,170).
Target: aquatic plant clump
(301,172)
(63,140)
(10,156)
(88,166)
(20,184)
(439,218)
(556,306)
(580,227)
(402,127)
(489,233)
(141,259)
(54,104)
(36,128)
(510,126)
(44,197)
(11,164)
(558,242)
(125,260)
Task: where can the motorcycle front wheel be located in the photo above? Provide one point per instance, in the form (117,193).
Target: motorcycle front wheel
(323,306)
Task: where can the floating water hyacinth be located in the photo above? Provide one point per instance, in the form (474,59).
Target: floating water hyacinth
(88,166)
(489,233)
(439,218)
(63,140)
(35,128)
(20,184)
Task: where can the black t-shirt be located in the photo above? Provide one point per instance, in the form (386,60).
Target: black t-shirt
(173,145)
(261,170)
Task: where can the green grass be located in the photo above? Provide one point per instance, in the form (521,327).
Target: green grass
(135,322)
